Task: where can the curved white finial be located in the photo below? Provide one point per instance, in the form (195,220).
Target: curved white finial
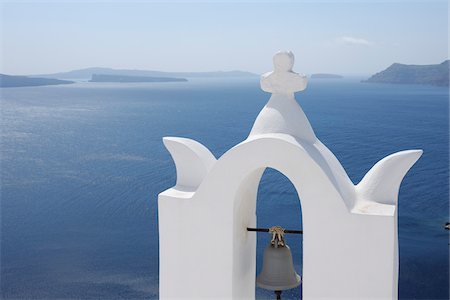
(282,80)
(192,160)
(382,183)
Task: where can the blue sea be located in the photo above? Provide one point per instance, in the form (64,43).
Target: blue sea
(82,165)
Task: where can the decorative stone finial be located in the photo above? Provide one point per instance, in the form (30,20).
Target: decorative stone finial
(282,114)
(282,80)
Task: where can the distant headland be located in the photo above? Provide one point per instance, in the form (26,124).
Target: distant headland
(414,74)
(24,81)
(326,76)
(113,75)
(123,78)
(86,74)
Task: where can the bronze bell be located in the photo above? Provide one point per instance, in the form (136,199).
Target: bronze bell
(278,271)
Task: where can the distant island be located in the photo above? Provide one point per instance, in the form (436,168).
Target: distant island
(414,74)
(85,74)
(24,81)
(123,78)
(326,76)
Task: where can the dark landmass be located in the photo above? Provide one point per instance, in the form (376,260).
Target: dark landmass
(123,78)
(326,76)
(87,74)
(414,74)
(23,81)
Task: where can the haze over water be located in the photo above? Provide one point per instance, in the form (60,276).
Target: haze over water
(82,165)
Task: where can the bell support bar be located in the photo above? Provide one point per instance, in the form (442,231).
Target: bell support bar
(268,230)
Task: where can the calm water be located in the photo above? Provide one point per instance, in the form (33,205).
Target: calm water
(82,165)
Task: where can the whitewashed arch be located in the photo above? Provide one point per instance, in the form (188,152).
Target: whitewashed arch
(207,252)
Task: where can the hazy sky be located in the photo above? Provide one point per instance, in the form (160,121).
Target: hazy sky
(346,37)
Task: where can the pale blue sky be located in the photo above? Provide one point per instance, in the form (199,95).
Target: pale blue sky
(345,37)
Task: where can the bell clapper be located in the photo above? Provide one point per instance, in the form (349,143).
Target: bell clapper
(278,293)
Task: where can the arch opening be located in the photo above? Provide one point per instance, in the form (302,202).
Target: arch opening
(278,203)
(266,197)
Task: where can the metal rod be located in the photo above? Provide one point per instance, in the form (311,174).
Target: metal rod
(267,230)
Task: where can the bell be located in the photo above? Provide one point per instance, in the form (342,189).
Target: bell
(278,271)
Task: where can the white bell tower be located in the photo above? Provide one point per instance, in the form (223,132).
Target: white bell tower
(350,243)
